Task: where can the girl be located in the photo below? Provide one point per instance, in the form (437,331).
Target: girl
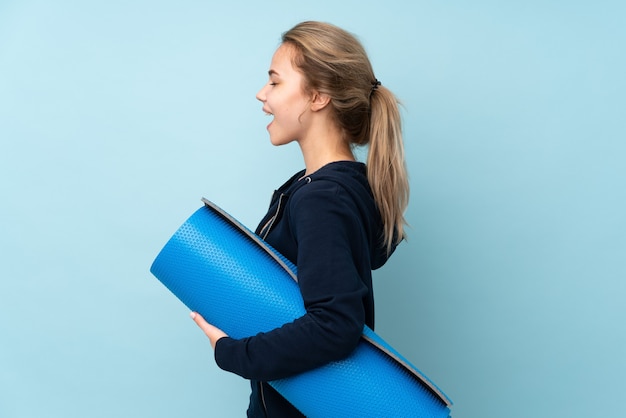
(337,219)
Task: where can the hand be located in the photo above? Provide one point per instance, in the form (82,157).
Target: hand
(211,331)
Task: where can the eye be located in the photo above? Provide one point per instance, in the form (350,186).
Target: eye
(273,84)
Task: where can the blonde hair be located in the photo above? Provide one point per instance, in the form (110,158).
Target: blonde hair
(334,62)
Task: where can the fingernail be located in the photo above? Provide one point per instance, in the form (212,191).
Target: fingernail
(192,315)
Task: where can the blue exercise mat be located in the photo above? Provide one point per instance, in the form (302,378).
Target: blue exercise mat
(237,282)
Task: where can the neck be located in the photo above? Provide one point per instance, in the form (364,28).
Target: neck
(322,148)
(323,142)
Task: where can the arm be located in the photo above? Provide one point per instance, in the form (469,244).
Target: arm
(325,229)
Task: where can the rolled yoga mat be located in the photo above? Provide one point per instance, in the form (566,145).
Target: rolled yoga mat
(236,281)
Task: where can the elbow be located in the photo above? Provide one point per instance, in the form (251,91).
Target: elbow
(349,347)
(347,340)
(339,327)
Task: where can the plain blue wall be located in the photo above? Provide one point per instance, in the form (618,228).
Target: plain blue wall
(117,116)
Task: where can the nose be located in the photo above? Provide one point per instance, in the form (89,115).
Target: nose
(260,96)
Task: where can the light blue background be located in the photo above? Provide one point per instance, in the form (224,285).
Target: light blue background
(117,116)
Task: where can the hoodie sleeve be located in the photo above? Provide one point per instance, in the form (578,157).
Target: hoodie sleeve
(329,235)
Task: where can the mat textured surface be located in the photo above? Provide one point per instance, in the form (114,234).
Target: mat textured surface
(220,269)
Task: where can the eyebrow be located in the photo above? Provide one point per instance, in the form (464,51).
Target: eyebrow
(272,72)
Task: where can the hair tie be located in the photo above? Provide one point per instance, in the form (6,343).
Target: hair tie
(375,84)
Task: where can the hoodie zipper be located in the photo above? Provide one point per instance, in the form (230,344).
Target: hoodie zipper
(263,398)
(263,233)
(268,225)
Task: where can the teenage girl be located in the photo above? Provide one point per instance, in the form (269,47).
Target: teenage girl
(336,220)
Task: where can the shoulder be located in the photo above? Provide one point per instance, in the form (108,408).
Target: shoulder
(317,196)
(342,178)
(336,190)
(325,203)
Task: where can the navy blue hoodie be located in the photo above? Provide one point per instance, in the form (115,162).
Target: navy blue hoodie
(328,225)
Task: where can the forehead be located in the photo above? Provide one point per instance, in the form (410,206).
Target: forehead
(282,61)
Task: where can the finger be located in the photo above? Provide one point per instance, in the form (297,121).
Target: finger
(211,331)
(200,321)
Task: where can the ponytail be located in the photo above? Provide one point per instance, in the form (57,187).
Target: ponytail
(386,169)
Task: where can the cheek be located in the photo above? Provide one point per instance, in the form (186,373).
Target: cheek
(274,103)
(286,100)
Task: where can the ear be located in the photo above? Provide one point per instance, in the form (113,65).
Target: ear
(319,101)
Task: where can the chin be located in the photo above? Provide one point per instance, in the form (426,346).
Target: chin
(277,142)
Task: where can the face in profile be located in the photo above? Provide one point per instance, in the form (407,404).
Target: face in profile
(284,99)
